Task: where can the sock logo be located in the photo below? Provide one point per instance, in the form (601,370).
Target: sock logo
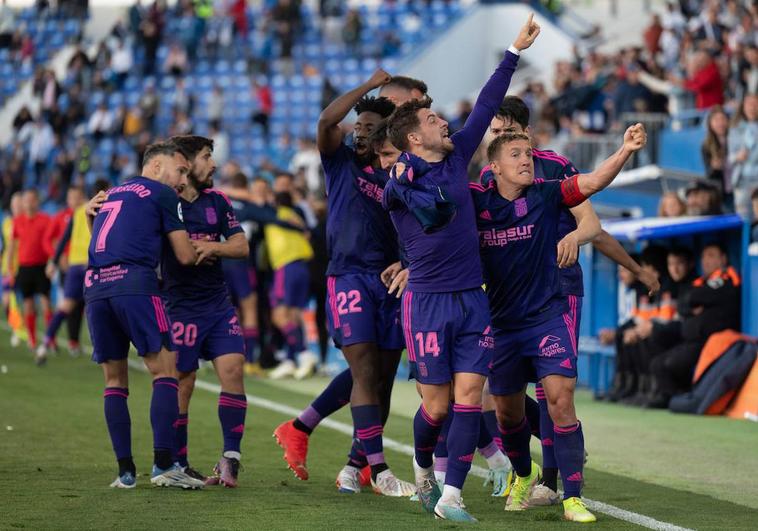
(547,441)
(239,429)
(466,458)
(576,476)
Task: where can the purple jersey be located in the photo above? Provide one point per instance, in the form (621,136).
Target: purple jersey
(128,238)
(200,289)
(517,246)
(359,234)
(550,166)
(447,260)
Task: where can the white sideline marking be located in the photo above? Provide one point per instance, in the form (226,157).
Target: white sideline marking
(346,429)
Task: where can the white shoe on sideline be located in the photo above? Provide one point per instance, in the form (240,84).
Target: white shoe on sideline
(285,369)
(307,362)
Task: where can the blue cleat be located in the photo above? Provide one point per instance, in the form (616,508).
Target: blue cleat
(428,492)
(454,511)
(125,481)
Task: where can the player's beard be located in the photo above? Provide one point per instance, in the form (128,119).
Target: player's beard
(200,185)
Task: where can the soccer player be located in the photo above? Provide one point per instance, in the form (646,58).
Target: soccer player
(9,271)
(27,246)
(75,238)
(123,303)
(363,317)
(74,199)
(577,226)
(289,252)
(533,331)
(204,322)
(445,315)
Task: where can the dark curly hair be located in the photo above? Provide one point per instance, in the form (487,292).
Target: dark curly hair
(381,106)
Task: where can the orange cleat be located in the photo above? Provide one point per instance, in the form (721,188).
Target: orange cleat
(295,445)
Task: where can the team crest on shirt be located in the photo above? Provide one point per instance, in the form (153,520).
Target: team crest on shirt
(210,216)
(521,208)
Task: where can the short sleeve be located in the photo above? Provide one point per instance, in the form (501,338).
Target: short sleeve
(335,164)
(229,223)
(169,210)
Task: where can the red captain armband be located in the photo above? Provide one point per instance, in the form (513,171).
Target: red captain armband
(570,192)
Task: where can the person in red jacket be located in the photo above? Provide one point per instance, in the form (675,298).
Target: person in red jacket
(29,229)
(704,80)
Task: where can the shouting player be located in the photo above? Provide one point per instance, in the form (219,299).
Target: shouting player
(204,322)
(123,303)
(532,319)
(445,313)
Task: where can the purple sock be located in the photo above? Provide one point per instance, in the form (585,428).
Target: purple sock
(486,444)
(164,410)
(440,450)
(357,456)
(425,433)
(516,445)
(334,397)
(180,447)
(464,432)
(231,413)
(549,463)
(293,334)
(368,428)
(533,414)
(490,420)
(54,325)
(569,452)
(118,420)
(250,335)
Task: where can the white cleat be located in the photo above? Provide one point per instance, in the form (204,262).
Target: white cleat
(174,477)
(348,480)
(285,369)
(387,484)
(15,340)
(542,496)
(40,357)
(125,481)
(307,362)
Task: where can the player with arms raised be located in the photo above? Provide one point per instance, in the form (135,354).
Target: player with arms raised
(444,311)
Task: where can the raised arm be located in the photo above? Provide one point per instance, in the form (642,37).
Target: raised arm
(467,140)
(591,183)
(610,247)
(328,133)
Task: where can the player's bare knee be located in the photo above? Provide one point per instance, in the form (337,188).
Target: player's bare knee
(561,409)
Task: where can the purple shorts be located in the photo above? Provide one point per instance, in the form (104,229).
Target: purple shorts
(360,310)
(206,337)
(529,354)
(240,278)
(292,285)
(446,333)
(73,286)
(575,312)
(116,321)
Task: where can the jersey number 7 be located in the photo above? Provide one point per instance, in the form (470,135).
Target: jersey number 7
(111,209)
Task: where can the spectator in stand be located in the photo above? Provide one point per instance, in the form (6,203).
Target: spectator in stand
(711,305)
(41,140)
(714,148)
(76,109)
(148,104)
(216,110)
(652,36)
(743,153)
(23,117)
(631,95)
(704,80)
(308,159)
(100,123)
(671,206)
(711,32)
(122,62)
(703,200)
(50,92)
(27,245)
(181,125)
(351,31)
(220,144)
(176,62)
(265,106)
(287,20)
(238,12)
(133,123)
(151,38)
(7,24)
(182,99)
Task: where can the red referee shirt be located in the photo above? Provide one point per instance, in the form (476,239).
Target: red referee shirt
(30,233)
(55,230)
